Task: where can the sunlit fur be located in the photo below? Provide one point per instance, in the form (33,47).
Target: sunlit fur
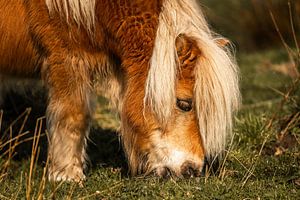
(169,146)
(81,11)
(143,56)
(216,88)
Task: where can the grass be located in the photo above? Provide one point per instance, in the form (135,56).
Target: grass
(260,163)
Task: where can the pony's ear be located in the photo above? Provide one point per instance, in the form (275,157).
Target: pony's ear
(222,42)
(187,51)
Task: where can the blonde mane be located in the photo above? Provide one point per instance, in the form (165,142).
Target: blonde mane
(216,89)
(81,11)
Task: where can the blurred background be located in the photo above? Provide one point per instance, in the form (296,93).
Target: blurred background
(248,23)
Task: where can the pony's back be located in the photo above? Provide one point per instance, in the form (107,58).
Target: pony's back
(17,52)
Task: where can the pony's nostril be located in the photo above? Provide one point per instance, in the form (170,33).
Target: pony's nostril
(187,173)
(189,170)
(163,172)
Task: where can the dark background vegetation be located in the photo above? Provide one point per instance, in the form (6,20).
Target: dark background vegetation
(248,22)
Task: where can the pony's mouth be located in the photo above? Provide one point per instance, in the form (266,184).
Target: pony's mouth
(187,170)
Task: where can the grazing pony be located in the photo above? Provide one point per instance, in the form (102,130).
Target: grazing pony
(172,80)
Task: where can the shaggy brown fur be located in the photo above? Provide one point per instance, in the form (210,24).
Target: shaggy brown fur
(69,45)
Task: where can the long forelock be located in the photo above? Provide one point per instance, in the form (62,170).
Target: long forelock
(216,87)
(217,96)
(161,81)
(81,11)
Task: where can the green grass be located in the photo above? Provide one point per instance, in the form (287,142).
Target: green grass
(251,169)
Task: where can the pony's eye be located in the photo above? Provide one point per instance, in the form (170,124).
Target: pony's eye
(185,105)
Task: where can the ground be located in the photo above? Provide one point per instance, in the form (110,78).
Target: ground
(262,161)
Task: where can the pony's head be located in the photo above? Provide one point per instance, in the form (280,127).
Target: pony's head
(170,145)
(190,95)
(175,145)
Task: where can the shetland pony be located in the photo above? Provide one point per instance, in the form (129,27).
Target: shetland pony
(173,82)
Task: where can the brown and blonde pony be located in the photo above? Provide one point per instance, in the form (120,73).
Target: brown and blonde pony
(173,82)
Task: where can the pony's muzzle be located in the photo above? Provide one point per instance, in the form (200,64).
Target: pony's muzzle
(190,169)
(187,170)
